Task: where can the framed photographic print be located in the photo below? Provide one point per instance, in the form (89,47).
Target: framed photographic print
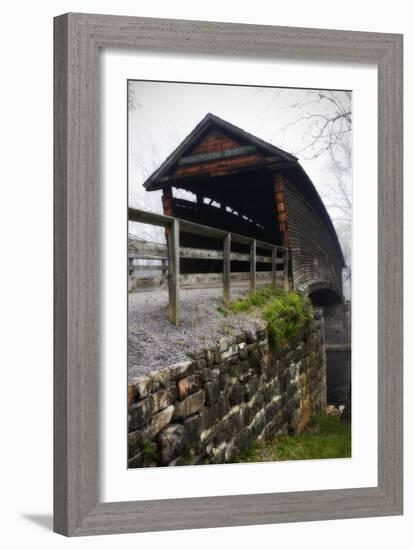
(228,274)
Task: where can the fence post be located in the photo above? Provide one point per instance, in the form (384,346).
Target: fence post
(253,258)
(274,266)
(286,282)
(164,272)
(227,269)
(131,267)
(173,274)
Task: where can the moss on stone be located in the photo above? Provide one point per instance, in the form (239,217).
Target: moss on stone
(286,313)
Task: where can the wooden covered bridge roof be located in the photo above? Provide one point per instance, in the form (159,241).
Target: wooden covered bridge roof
(245,174)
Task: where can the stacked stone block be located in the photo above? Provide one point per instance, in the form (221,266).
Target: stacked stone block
(208,409)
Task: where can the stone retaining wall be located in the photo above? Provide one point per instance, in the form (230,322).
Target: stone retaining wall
(210,408)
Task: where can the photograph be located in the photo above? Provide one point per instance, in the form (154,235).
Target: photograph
(210,350)
(239,273)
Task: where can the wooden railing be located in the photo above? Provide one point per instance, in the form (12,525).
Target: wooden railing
(176,226)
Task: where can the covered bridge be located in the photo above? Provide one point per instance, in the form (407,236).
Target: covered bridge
(237,182)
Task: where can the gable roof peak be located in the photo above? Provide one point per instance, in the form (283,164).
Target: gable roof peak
(196,134)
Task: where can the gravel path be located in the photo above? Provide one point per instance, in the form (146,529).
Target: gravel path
(154,342)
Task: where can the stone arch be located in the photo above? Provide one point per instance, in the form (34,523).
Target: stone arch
(324,294)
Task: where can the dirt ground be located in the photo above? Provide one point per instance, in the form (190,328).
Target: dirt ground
(154,342)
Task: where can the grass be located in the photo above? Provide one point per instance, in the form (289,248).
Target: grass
(149,450)
(325,437)
(285,312)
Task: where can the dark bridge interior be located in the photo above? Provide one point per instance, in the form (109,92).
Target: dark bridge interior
(325,297)
(242,203)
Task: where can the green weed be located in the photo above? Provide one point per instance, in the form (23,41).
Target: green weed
(285,312)
(325,437)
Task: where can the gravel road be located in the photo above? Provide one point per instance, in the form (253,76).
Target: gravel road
(154,342)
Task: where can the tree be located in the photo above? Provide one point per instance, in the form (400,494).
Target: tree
(338,199)
(132,101)
(325,119)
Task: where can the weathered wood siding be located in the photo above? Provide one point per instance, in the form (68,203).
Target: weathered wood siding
(215,141)
(281,205)
(314,259)
(221,167)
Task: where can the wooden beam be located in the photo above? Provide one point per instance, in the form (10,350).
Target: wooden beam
(286,281)
(209,280)
(227,269)
(190,227)
(130,266)
(146,249)
(173,275)
(150,218)
(164,276)
(216,280)
(267,167)
(147,268)
(274,266)
(143,256)
(253,273)
(156,251)
(217,155)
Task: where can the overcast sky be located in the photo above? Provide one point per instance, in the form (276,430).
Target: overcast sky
(162,114)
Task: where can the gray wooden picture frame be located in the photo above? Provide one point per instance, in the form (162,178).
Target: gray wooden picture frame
(78,39)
